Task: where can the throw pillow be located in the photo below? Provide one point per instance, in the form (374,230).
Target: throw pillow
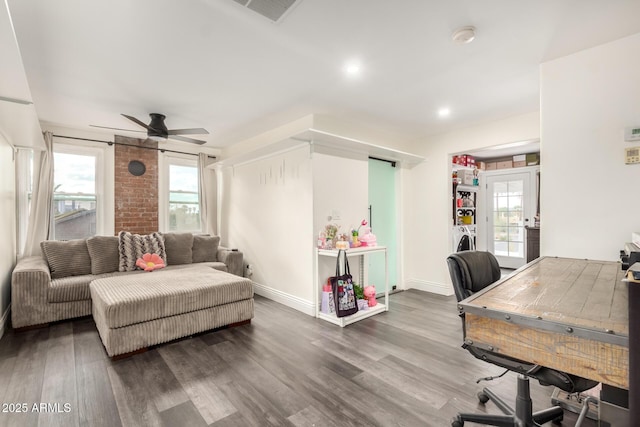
(67,258)
(178,247)
(133,246)
(205,248)
(150,262)
(105,256)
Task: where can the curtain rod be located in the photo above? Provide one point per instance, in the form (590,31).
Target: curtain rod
(162,150)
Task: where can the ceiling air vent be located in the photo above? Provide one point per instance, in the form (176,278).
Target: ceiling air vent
(274,10)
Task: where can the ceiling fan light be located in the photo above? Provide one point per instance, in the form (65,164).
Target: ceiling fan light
(157,138)
(157,123)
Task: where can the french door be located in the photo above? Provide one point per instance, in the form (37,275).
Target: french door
(509,210)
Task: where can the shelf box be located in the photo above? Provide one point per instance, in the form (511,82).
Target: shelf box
(491,166)
(507,164)
(533,159)
(466,176)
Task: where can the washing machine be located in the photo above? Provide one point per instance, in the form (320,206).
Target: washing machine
(464,238)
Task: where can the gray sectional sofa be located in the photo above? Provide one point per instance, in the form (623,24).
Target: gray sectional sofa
(56,286)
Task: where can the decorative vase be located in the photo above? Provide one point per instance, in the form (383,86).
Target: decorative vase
(354,239)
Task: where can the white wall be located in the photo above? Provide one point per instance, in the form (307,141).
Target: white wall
(339,184)
(267,213)
(426,196)
(7,228)
(588,195)
(273,207)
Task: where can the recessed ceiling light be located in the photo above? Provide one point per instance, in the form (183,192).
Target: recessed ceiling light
(464,35)
(444,112)
(352,68)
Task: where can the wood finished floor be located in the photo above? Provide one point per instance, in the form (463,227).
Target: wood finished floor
(400,368)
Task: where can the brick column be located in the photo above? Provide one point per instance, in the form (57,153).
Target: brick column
(136,197)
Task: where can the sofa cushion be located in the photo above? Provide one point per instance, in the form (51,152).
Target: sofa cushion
(221,266)
(205,248)
(104,254)
(67,258)
(133,246)
(136,298)
(76,288)
(178,247)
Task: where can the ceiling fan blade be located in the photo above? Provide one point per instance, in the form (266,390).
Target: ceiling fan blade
(195,131)
(185,139)
(107,127)
(134,120)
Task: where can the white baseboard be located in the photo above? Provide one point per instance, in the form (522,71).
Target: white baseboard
(284,298)
(433,287)
(4,320)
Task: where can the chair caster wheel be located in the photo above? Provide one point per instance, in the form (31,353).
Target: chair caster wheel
(457,423)
(482,397)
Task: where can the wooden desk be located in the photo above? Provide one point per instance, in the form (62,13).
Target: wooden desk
(562,313)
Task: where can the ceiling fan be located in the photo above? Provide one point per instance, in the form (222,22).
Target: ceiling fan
(158,131)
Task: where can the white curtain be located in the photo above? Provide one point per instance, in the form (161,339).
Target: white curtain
(41,212)
(207,194)
(23,187)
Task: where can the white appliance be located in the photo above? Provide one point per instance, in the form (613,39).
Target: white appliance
(464,238)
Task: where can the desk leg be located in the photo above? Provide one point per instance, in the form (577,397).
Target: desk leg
(634,351)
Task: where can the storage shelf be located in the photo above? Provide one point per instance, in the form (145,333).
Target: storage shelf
(360,315)
(353,251)
(469,188)
(457,167)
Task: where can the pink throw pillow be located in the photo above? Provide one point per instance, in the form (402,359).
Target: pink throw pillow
(150,262)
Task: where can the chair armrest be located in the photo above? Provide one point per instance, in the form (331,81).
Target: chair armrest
(233,259)
(30,282)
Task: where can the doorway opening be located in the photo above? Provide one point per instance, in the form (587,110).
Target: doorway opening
(504,215)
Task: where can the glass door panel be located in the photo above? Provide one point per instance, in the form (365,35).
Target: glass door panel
(506,234)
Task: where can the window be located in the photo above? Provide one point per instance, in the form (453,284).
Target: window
(183,197)
(74,195)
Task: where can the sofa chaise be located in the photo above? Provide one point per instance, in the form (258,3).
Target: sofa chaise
(56,285)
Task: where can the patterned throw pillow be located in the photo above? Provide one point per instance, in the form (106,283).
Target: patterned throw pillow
(133,246)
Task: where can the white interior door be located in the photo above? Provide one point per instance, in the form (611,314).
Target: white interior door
(509,209)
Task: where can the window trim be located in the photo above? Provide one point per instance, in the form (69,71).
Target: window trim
(104,192)
(165,160)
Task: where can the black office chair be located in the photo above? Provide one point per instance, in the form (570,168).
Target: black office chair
(472,271)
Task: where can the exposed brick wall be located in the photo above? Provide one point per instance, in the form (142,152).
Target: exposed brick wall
(136,197)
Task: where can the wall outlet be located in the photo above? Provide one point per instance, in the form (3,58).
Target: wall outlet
(335,215)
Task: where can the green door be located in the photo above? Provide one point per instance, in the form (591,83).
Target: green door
(382,216)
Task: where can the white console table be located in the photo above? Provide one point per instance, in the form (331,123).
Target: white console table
(361,314)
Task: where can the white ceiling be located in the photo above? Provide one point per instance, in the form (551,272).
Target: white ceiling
(218,65)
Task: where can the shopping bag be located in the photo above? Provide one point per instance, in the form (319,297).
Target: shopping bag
(342,287)
(327,305)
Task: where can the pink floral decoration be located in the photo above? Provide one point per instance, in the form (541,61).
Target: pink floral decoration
(150,262)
